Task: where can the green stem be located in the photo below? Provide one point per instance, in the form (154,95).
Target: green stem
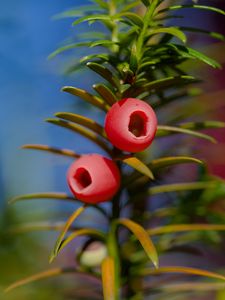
(113,251)
(112,12)
(112,241)
(116,200)
(147,19)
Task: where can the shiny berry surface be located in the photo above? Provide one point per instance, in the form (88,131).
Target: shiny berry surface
(131,125)
(93,178)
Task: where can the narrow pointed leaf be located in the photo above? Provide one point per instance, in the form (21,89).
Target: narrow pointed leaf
(138,165)
(172,160)
(185,227)
(92,35)
(108,279)
(102,43)
(203,7)
(130,6)
(79,12)
(84,121)
(133,60)
(145,2)
(82,131)
(183,270)
(203,125)
(142,235)
(194,286)
(159,84)
(65,152)
(96,101)
(134,18)
(168,17)
(42,275)
(167,82)
(101,3)
(167,130)
(53,195)
(170,30)
(105,73)
(163,163)
(213,34)
(39,226)
(69,222)
(105,93)
(192,53)
(81,232)
(93,18)
(179,187)
(68,47)
(103,57)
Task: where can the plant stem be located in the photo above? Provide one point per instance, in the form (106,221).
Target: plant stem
(114,253)
(113,240)
(112,12)
(147,19)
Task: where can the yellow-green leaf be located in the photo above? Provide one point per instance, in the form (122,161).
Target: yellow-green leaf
(143,237)
(79,12)
(138,165)
(172,160)
(102,57)
(69,222)
(203,125)
(82,131)
(164,162)
(145,2)
(194,286)
(81,232)
(213,34)
(105,73)
(159,84)
(105,93)
(38,276)
(91,18)
(65,152)
(167,130)
(179,187)
(108,279)
(102,43)
(96,101)
(84,121)
(170,30)
(68,47)
(185,227)
(196,6)
(132,17)
(38,226)
(182,270)
(190,53)
(53,195)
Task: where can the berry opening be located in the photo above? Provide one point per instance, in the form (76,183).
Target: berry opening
(82,178)
(137,124)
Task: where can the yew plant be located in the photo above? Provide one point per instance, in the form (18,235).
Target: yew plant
(140,64)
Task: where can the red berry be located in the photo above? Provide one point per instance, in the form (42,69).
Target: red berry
(93,178)
(131,125)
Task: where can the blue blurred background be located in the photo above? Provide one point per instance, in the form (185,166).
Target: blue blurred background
(30,92)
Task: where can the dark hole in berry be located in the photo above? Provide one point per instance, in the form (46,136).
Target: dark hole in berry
(137,124)
(82,178)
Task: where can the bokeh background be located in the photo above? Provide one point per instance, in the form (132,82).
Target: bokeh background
(30,92)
